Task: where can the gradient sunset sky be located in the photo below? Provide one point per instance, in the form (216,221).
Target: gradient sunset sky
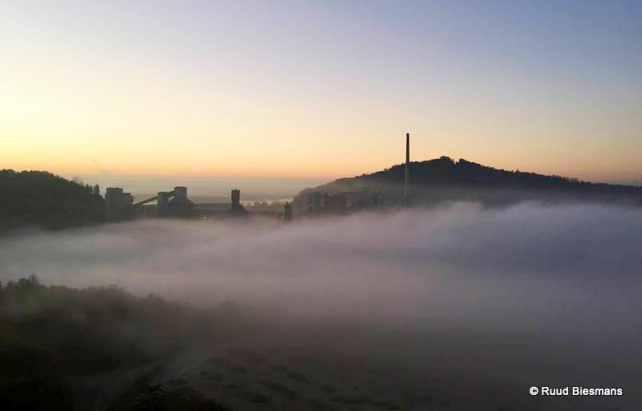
(309,91)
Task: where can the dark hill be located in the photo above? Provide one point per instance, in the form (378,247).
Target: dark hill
(443,179)
(42,199)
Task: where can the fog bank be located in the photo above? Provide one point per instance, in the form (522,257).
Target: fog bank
(492,288)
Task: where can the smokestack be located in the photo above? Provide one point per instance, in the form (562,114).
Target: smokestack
(236,199)
(406,179)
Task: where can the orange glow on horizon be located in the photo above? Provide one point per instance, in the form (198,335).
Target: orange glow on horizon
(84,100)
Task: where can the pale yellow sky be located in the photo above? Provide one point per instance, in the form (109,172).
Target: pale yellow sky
(143,91)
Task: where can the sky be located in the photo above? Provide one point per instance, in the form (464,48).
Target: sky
(297,92)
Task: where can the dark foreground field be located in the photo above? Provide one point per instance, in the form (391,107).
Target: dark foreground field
(103,349)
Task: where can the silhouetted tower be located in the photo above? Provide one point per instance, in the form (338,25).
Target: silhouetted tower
(236,199)
(162,203)
(180,194)
(287,212)
(113,200)
(406,177)
(315,202)
(118,204)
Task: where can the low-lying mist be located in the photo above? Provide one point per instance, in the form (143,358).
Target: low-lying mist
(534,294)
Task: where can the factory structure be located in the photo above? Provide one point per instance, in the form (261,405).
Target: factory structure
(406,171)
(120,205)
(167,204)
(344,202)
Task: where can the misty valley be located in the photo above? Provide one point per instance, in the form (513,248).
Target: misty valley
(254,205)
(447,307)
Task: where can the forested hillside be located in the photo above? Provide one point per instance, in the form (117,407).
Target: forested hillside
(445,180)
(38,198)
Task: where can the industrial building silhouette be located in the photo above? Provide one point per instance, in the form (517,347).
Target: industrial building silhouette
(320,202)
(120,205)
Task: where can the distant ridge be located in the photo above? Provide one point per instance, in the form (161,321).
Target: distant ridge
(443,179)
(42,199)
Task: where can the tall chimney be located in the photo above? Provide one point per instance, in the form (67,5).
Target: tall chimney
(236,199)
(406,179)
